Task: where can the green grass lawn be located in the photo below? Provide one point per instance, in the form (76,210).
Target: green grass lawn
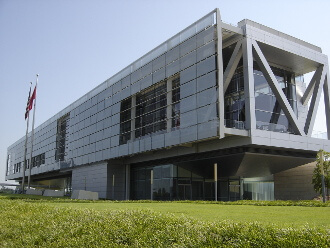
(206,211)
(34,221)
(279,215)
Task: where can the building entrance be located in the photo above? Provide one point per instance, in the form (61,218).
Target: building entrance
(184,192)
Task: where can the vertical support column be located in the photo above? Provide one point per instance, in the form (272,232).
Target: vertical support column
(128,180)
(169,105)
(326,90)
(151,184)
(220,77)
(216,181)
(250,115)
(172,183)
(241,188)
(133,112)
(113,186)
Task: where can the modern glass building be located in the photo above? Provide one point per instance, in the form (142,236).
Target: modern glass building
(213,113)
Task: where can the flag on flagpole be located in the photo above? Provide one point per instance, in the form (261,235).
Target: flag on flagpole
(27,104)
(32,98)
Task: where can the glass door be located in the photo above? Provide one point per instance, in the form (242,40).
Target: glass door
(184,191)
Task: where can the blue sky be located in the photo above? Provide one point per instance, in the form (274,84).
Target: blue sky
(76,45)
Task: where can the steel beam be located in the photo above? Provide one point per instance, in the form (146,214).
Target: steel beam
(278,92)
(312,111)
(232,65)
(250,115)
(308,93)
(220,77)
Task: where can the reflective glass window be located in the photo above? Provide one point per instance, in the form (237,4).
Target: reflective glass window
(61,138)
(206,66)
(188,60)
(188,46)
(176,102)
(158,63)
(206,51)
(269,114)
(172,54)
(205,36)
(235,100)
(125,121)
(151,110)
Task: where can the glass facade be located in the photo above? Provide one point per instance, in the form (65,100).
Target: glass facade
(234,95)
(62,137)
(37,160)
(181,181)
(175,103)
(137,109)
(259,188)
(235,100)
(269,115)
(195,181)
(150,113)
(125,121)
(150,109)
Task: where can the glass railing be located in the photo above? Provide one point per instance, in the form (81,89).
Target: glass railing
(272,127)
(65,164)
(319,135)
(234,124)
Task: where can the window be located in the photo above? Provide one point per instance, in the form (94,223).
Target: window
(150,113)
(37,160)
(235,100)
(62,132)
(125,121)
(146,112)
(42,159)
(176,102)
(33,162)
(17,167)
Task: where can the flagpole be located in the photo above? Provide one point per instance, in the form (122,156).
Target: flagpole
(25,145)
(32,135)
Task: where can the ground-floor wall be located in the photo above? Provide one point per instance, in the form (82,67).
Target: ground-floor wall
(106,178)
(91,178)
(240,175)
(117,181)
(295,183)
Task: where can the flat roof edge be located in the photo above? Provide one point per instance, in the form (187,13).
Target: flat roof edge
(278,33)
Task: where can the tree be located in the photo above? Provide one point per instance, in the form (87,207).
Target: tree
(317,174)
